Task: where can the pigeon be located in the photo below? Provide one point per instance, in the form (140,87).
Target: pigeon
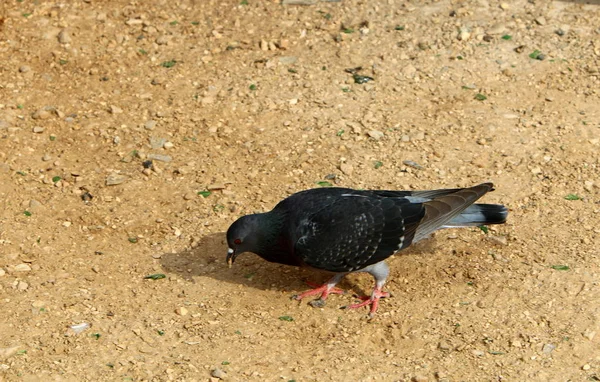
(342,230)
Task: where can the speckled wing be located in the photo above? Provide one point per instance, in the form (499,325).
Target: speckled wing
(353,231)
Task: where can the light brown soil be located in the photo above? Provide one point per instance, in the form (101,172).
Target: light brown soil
(257,105)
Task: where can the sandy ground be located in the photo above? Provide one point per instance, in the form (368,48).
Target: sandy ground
(116,116)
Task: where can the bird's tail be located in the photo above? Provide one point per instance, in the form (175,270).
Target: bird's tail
(479,214)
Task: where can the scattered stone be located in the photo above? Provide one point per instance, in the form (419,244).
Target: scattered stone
(586,367)
(409,71)
(347,168)
(588,185)
(412,164)
(445,346)
(288,60)
(47,158)
(149,125)
(22,286)
(162,40)
(41,114)
(540,20)
(215,186)
(131,22)
(64,37)
(504,6)
(159,157)
(117,140)
(38,129)
(464,34)
(264,45)
(157,143)
(22,268)
(115,109)
(498,240)
(24,68)
(375,134)
(516,343)
(419,136)
(2,272)
(218,373)
(181,311)
(560,32)
(548,348)
(478,353)
(7,352)
(114,179)
(38,304)
(420,378)
(168,145)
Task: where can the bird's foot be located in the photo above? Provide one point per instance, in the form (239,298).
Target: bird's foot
(372,300)
(322,290)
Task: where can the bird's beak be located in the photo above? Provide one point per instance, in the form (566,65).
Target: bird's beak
(230,257)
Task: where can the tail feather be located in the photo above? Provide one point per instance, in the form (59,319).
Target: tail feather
(479,214)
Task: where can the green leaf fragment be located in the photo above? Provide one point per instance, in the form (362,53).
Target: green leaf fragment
(286,318)
(506,37)
(560,267)
(484,229)
(56,179)
(378,164)
(133,240)
(168,64)
(573,197)
(205,193)
(155,276)
(480,97)
(26,213)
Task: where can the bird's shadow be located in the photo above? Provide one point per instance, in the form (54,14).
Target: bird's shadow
(208,259)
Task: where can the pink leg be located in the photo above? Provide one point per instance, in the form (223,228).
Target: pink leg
(324,290)
(372,300)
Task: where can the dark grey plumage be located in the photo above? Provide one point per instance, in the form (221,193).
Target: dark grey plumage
(342,230)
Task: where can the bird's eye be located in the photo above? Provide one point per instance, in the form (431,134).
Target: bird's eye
(237,241)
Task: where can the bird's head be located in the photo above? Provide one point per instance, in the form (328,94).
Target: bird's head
(243,236)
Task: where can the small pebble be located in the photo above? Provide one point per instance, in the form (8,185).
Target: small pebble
(22,267)
(347,168)
(218,373)
(157,143)
(498,240)
(114,179)
(168,145)
(41,114)
(478,353)
(412,164)
(159,157)
(149,125)
(181,311)
(586,367)
(22,286)
(64,37)
(2,272)
(115,109)
(375,134)
(38,129)
(504,6)
(24,68)
(548,348)
(541,20)
(588,185)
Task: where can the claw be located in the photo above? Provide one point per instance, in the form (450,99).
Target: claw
(372,300)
